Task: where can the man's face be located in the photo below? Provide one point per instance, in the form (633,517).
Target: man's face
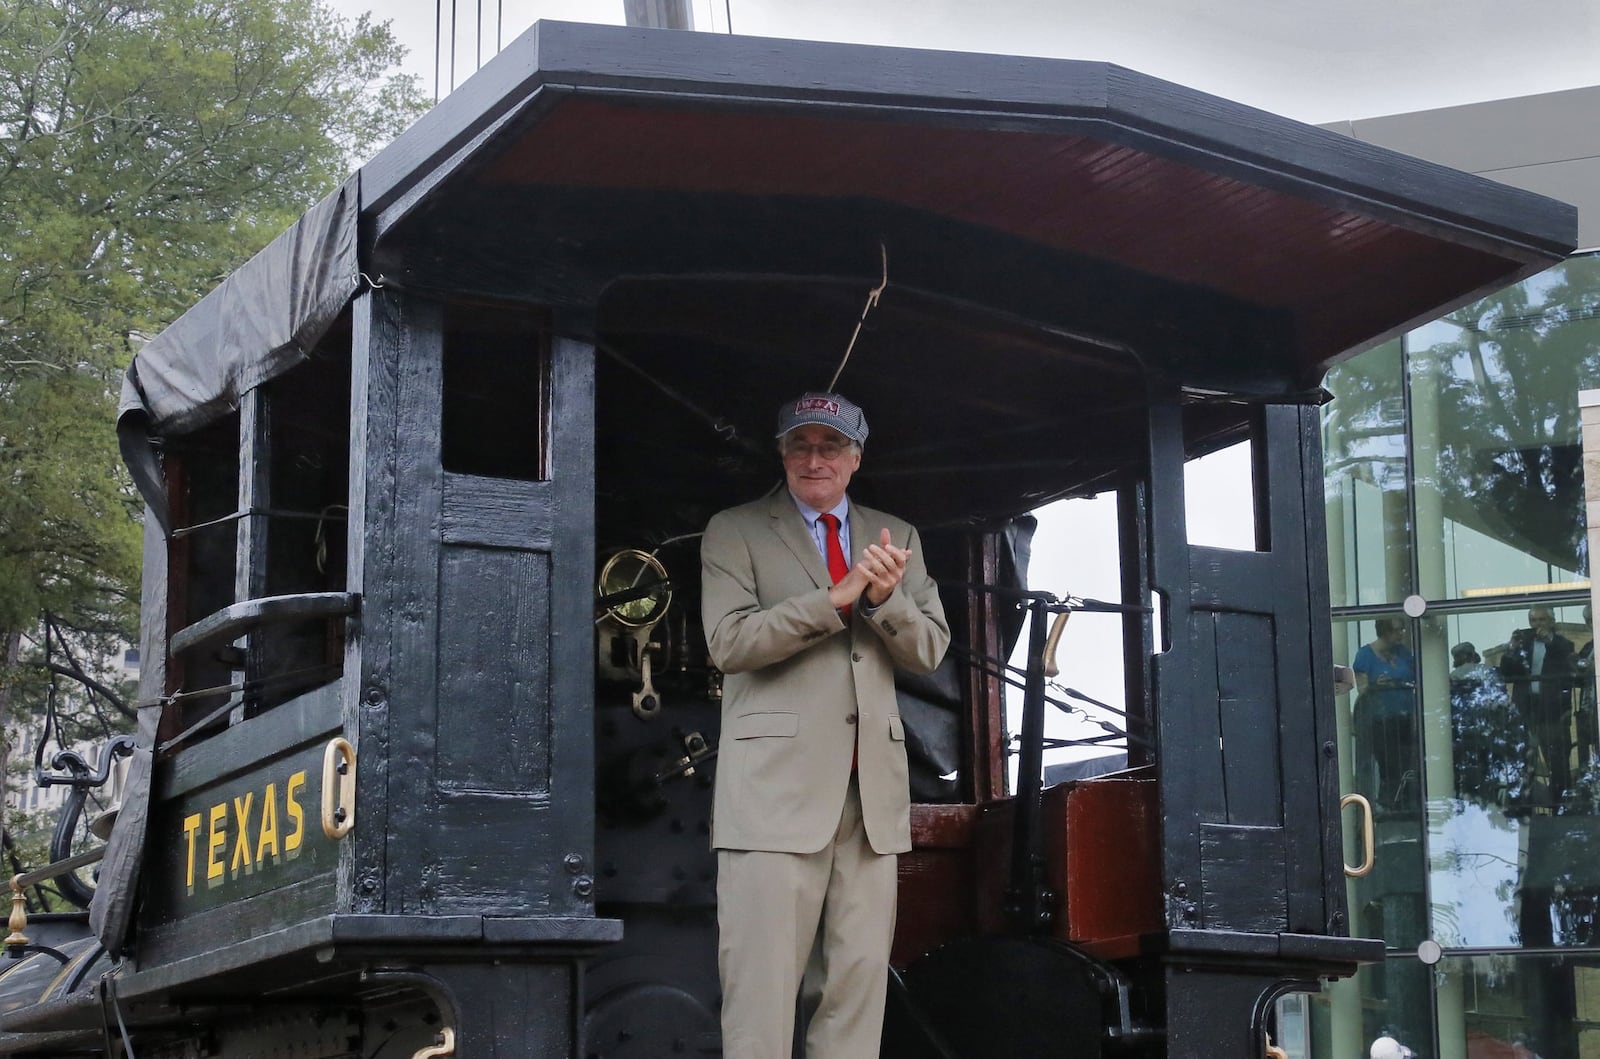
(818,481)
(1543,623)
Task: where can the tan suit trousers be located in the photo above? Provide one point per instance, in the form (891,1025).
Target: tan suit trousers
(771,908)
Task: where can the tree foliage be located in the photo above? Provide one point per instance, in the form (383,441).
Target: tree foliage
(147,148)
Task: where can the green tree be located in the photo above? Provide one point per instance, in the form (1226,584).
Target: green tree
(147,148)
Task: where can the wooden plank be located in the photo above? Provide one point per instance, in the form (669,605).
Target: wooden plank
(1179,734)
(234,621)
(1201,758)
(498,512)
(376,338)
(411,863)
(1249,707)
(1316,857)
(572,578)
(244,747)
(1243,885)
(494,686)
(1138,629)
(255,492)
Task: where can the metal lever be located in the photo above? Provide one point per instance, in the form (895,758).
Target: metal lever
(339,790)
(646,702)
(1366,835)
(1053,641)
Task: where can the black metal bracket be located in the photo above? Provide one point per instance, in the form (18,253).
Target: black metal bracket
(78,773)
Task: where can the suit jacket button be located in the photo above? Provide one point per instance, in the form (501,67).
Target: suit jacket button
(855,656)
(850,719)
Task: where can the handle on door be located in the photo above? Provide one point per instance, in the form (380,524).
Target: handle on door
(1367,839)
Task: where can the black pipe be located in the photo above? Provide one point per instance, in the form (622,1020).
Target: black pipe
(1028,899)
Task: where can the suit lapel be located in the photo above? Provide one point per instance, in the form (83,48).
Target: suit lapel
(791,529)
(858,532)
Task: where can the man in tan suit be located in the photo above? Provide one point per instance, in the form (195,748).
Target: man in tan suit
(810,604)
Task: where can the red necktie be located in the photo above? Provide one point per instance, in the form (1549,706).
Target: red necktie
(837,567)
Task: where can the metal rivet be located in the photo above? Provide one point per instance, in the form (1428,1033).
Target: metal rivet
(573,863)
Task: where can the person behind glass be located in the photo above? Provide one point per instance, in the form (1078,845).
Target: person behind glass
(1588,724)
(1538,666)
(811,602)
(1386,676)
(1487,765)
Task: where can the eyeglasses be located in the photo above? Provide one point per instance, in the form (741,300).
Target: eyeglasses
(828,450)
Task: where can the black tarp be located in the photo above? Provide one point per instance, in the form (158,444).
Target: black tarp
(116,888)
(257,324)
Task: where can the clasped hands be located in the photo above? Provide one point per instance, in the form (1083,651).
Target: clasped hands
(881,567)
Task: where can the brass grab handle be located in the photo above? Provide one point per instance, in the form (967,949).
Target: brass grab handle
(1273,1051)
(1053,641)
(446,1046)
(21,881)
(339,791)
(1366,835)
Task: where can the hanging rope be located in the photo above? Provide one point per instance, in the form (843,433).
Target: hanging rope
(872,301)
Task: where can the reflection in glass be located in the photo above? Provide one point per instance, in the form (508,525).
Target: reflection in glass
(1519,1007)
(1513,779)
(1480,410)
(1392,999)
(1496,453)
(1381,759)
(1363,439)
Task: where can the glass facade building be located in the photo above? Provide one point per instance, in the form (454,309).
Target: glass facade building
(1459,575)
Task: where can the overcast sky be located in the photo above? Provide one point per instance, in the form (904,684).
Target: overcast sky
(1315,60)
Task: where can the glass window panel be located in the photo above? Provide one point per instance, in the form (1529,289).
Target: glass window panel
(1518,1007)
(1391,999)
(1496,453)
(1512,777)
(1292,1030)
(1380,758)
(1363,438)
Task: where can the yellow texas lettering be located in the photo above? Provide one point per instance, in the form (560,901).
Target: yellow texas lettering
(218,815)
(291,841)
(191,831)
(255,837)
(241,842)
(267,840)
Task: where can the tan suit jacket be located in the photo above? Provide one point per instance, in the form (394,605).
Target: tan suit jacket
(800,685)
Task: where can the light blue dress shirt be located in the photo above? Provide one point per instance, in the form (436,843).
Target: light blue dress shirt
(819,532)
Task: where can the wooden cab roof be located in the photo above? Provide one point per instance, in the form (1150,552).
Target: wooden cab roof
(1062,239)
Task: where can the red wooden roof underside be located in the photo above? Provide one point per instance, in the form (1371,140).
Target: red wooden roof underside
(1100,199)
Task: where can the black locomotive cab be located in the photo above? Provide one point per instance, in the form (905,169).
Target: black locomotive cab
(429,728)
